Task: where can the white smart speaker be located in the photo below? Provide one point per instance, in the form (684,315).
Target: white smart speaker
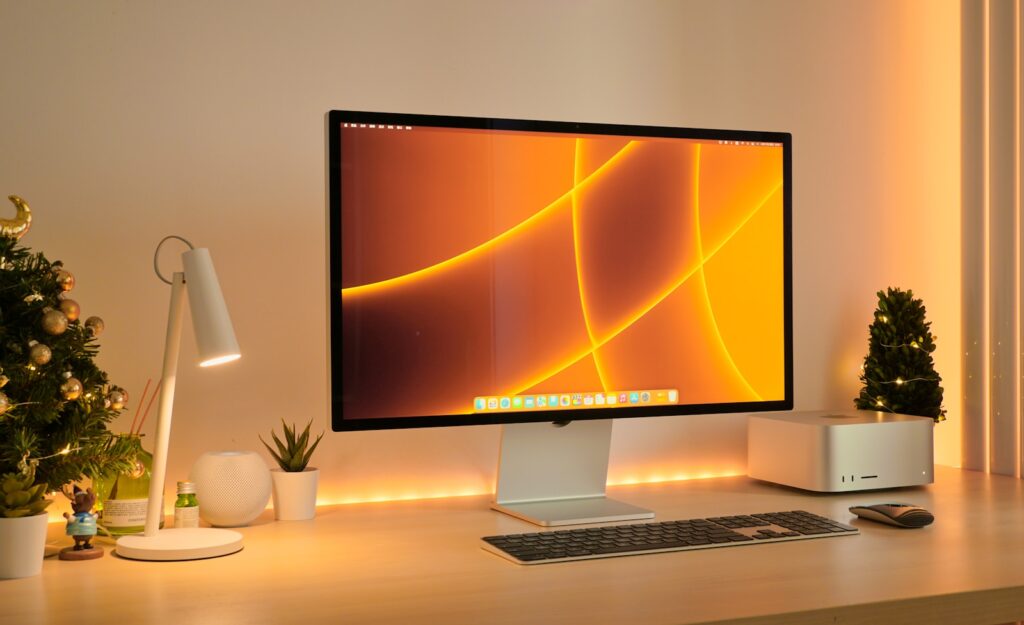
(232,487)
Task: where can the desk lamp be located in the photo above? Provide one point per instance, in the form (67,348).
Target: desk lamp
(216,344)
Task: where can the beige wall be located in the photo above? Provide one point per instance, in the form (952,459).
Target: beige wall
(122,122)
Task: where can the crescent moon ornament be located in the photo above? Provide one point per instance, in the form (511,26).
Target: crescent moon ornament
(18,226)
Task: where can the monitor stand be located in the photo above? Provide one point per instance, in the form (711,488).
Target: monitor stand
(555,474)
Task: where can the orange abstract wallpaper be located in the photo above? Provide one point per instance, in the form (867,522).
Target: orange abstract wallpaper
(481,265)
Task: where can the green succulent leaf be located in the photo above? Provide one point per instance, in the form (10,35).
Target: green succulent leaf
(11,484)
(274,454)
(18,499)
(289,434)
(37,507)
(292,454)
(37,491)
(282,449)
(19,496)
(309,453)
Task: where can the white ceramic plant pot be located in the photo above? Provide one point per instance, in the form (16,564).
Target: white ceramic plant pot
(295,494)
(233,487)
(22,546)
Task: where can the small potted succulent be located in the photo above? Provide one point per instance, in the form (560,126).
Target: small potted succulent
(294,482)
(23,521)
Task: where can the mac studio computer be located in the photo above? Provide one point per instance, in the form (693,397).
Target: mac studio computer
(552,277)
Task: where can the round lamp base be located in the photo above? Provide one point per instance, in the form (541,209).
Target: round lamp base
(192,543)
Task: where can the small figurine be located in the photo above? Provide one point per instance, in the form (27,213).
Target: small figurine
(82,527)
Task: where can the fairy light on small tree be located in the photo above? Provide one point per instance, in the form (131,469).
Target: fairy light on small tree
(898,374)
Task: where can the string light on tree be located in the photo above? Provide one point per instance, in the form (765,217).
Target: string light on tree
(898,374)
(63,452)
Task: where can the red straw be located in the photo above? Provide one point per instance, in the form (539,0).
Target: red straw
(156,392)
(138,407)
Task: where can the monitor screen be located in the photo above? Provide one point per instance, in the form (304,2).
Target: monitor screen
(500,271)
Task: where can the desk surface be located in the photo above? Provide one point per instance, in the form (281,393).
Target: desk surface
(421,562)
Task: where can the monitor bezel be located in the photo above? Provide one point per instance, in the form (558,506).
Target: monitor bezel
(333,121)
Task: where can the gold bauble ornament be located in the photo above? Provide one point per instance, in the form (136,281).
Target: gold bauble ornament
(54,322)
(65,279)
(18,226)
(117,400)
(71,389)
(39,354)
(5,404)
(70,309)
(94,325)
(4,380)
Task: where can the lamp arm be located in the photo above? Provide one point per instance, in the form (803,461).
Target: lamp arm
(154,510)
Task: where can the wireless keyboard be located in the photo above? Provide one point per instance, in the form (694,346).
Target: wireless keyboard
(637,538)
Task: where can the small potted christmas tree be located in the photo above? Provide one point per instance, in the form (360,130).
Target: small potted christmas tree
(899,374)
(55,403)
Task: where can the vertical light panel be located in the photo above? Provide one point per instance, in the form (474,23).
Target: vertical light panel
(1018,170)
(974,237)
(992,269)
(1004,274)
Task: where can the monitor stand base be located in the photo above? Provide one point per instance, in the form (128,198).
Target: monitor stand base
(574,511)
(555,474)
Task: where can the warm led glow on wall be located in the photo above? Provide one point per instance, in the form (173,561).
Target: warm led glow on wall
(659,478)
(398,494)
(392,497)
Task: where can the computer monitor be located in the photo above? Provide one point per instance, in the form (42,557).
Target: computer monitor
(531,273)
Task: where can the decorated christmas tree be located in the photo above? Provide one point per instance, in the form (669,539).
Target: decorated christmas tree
(898,373)
(55,403)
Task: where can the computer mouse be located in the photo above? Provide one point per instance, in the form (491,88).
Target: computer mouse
(898,514)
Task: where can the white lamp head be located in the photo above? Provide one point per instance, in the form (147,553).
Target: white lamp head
(215,336)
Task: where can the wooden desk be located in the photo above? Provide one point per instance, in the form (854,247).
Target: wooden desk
(420,562)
